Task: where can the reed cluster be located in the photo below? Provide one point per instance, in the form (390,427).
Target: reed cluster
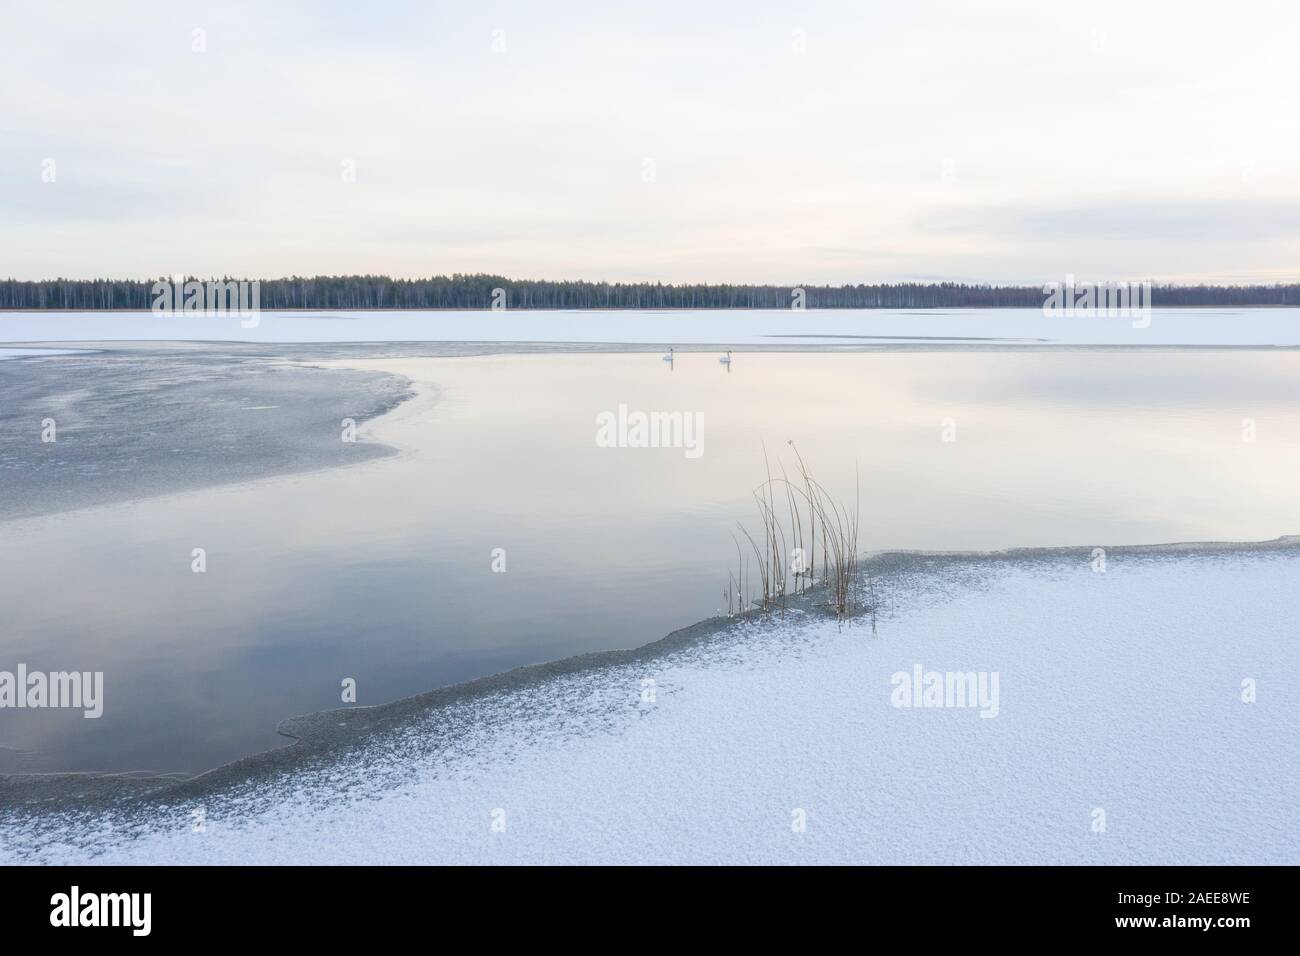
(809,541)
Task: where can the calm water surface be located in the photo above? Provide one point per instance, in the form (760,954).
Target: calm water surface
(382,571)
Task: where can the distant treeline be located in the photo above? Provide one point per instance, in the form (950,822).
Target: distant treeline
(481,292)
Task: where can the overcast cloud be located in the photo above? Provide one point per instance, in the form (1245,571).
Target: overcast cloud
(746,142)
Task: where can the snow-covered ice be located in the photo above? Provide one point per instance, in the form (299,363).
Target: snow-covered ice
(845,328)
(1120,693)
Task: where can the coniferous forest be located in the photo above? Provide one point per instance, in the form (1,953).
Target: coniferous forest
(460,291)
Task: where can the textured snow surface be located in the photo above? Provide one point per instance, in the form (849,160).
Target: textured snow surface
(1119,690)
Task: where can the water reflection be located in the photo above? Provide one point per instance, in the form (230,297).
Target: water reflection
(382,572)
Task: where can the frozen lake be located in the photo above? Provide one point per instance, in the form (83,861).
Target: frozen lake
(847,327)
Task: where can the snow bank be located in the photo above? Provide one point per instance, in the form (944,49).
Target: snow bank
(1120,700)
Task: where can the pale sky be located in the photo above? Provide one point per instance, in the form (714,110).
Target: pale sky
(695,141)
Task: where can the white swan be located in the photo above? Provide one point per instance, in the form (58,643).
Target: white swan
(669,356)
(726,359)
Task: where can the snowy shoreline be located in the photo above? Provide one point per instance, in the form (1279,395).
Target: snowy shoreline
(1121,691)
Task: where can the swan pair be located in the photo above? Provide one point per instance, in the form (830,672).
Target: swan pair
(725,360)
